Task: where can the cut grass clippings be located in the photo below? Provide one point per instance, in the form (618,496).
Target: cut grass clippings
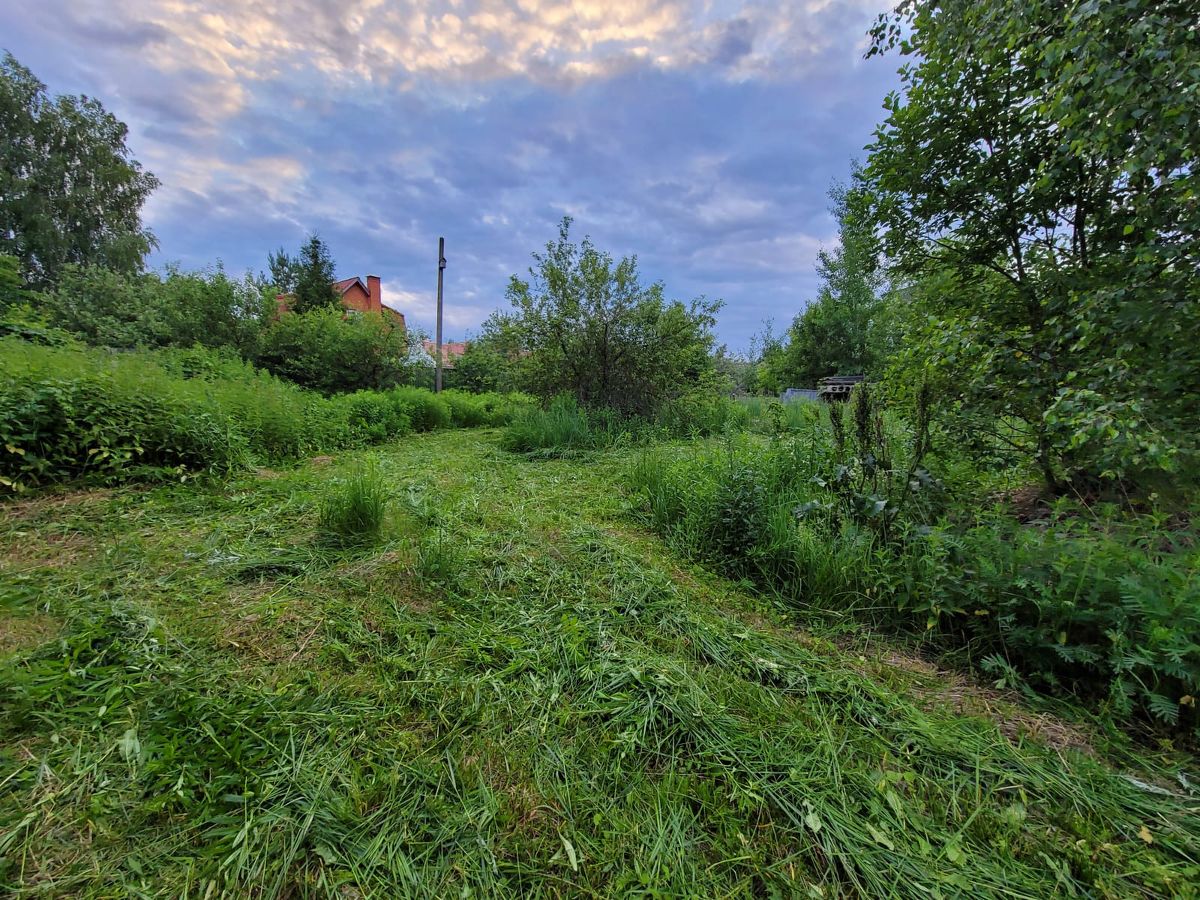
(513,694)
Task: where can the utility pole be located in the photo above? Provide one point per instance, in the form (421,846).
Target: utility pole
(437,383)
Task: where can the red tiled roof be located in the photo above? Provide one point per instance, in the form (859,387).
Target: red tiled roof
(451,350)
(346,283)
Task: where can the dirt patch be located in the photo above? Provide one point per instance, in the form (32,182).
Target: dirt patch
(53,503)
(55,550)
(941,688)
(25,632)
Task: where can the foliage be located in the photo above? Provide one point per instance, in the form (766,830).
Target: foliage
(64,414)
(69,412)
(490,362)
(69,190)
(179,309)
(11,285)
(283,270)
(839,332)
(1037,180)
(377,416)
(841,515)
(1107,609)
(313,274)
(563,428)
(514,693)
(330,351)
(591,329)
(353,509)
(426,409)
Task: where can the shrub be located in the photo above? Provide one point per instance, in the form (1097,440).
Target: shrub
(466,410)
(64,414)
(375,416)
(1104,606)
(332,351)
(353,509)
(1105,609)
(702,413)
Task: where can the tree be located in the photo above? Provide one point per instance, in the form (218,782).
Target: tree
(591,329)
(283,271)
(331,351)
(314,274)
(834,335)
(1037,184)
(110,309)
(69,190)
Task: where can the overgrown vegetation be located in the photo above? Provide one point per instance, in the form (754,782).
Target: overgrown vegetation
(71,412)
(841,515)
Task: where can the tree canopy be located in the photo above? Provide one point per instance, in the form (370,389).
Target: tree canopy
(70,192)
(592,329)
(1036,181)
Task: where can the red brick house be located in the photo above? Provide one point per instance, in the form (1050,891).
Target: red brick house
(451,351)
(356,295)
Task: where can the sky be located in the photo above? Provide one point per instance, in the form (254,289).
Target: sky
(702,137)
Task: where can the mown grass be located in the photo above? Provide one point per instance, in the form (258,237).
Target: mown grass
(515,692)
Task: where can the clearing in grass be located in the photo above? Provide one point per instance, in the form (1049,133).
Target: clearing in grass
(514,692)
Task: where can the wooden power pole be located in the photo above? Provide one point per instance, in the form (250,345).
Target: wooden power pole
(437,383)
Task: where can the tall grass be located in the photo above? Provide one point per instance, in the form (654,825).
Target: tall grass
(562,429)
(70,412)
(1095,602)
(353,509)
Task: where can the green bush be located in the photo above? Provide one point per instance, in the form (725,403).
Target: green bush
(376,416)
(353,509)
(702,413)
(65,414)
(332,351)
(1105,608)
(466,410)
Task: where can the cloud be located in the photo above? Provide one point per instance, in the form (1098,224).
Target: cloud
(701,136)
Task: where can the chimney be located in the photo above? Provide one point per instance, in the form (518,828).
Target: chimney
(375,293)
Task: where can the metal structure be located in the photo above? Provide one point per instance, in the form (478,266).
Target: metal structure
(838,387)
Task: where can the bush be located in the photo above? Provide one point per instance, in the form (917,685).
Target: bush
(332,351)
(108,309)
(352,510)
(1105,609)
(376,416)
(702,413)
(65,414)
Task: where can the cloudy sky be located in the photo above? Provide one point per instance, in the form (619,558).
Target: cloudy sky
(700,136)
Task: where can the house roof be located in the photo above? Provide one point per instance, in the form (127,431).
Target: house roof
(346,283)
(451,350)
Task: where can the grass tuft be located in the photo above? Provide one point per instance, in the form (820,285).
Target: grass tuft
(352,511)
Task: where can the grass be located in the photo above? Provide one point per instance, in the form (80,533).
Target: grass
(517,692)
(353,509)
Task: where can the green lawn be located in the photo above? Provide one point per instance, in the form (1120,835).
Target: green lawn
(517,692)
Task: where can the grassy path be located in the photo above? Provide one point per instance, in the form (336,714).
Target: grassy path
(518,693)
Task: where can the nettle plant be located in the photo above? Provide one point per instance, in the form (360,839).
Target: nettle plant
(875,479)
